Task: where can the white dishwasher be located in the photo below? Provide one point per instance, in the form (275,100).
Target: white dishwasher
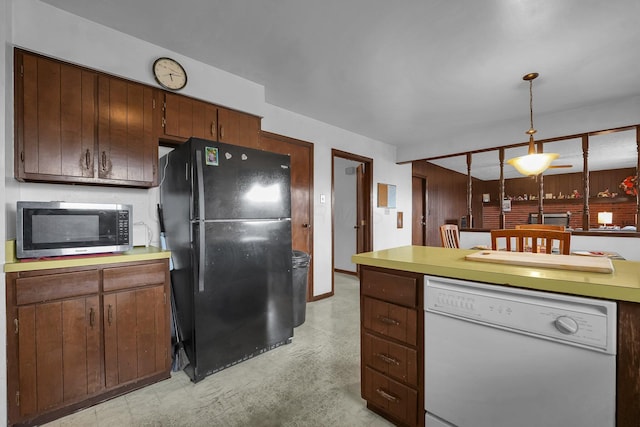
(508,357)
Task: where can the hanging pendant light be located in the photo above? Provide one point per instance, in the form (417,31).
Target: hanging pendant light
(533,163)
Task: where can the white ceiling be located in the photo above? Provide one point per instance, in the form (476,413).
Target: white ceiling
(406,72)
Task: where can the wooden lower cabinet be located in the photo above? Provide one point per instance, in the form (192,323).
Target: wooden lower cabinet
(392,342)
(72,343)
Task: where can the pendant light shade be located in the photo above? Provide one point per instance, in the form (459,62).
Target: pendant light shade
(533,163)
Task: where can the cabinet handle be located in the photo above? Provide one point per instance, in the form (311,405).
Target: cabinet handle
(387,359)
(87,158)
(221,132)
(104,160)
(385,395)
(306,225)
(388,320)
(110,314)
(92,317)
(16,324)
(213,128)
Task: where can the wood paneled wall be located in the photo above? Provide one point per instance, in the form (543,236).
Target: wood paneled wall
(446,197)
(447,202)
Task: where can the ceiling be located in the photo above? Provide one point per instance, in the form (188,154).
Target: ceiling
(408,73)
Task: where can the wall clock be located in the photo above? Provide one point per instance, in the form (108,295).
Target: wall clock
(169,73)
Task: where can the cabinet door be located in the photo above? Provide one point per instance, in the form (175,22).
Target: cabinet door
(185,117)
(238,128)
(136,334)
(205,120)
(127,150)
(55,119)
(58,353)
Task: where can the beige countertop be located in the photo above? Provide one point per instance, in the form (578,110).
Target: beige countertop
(622,285)
(12,264)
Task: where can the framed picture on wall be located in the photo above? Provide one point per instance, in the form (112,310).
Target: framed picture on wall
(506,205)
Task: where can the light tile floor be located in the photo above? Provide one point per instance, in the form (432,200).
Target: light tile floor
(314,381)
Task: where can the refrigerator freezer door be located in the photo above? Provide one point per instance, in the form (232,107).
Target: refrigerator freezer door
(240,183)
(245,307)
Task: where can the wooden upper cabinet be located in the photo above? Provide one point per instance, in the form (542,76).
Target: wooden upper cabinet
(127,148)
(76,125)
(186,117)
(55,109)
(238,128)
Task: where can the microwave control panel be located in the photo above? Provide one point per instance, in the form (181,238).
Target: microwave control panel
(123,227)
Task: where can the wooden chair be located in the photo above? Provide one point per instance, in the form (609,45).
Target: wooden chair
(540,227)
(450,236)
(541,240)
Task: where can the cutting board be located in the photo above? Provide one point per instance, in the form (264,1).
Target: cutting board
(561,262)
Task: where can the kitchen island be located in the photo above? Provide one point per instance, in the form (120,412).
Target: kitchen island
(395,277)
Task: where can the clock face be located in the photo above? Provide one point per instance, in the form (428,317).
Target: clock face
(169,73)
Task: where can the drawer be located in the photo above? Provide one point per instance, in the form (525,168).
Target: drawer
(390,287)
(134,276)
(394,398)
(395,360)
(48,287)
(390,320)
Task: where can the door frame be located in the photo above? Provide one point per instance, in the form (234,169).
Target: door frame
(422,192)
(366,199)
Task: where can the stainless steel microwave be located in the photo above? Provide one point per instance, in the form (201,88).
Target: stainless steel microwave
(46,229)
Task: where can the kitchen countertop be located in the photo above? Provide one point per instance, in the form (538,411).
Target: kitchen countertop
(139,253)
(621,285)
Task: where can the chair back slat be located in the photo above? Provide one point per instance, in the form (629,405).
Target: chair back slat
(532,240)
(541,227)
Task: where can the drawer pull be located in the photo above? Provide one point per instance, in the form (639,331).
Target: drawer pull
(387,396)
(92,317)
(387,359)
(388,320)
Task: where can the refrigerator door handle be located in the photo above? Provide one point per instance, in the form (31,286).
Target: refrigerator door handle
(201,216)
(200,178)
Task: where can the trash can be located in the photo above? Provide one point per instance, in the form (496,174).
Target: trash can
(300,271)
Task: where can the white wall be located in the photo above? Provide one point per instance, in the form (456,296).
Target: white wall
(385,170)
(605,115)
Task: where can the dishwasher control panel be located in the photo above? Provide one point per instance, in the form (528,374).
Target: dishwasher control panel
(586,322)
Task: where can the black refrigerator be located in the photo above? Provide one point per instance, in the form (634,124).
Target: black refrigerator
(227,214)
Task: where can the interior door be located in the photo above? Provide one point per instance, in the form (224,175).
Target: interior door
(419,211)
(301,156)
